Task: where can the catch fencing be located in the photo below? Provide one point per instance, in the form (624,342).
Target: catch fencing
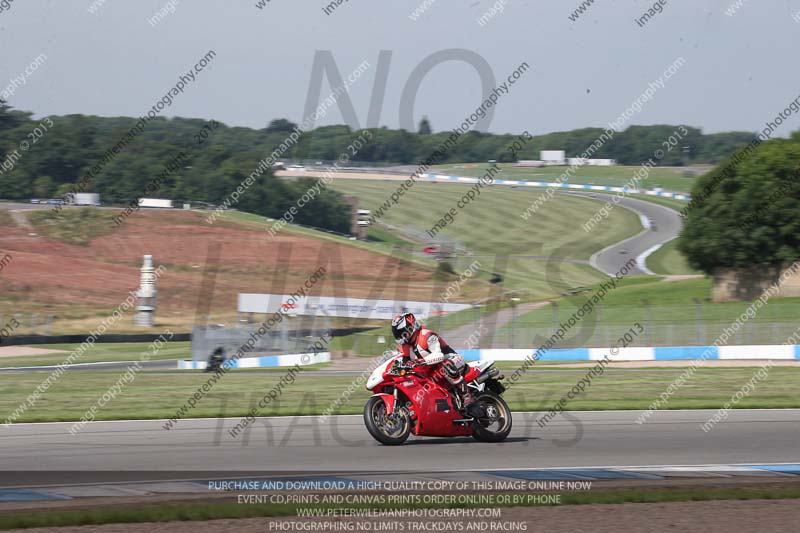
(680,325)
(29,324)
(290,336)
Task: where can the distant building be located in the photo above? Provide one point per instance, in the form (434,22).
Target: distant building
(558,157)
(84,198)
(155,202)
(359,218)
(553,157)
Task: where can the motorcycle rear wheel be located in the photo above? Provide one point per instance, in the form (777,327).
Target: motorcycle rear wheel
(388,432)
(497,413)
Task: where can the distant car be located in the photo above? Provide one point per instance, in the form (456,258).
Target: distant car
(431,249)
(623,251)
(297,167)
(35,201)
(56,201)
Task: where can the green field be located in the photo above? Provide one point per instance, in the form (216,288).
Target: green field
(669,178)
(492,226)
(160,394)
(101,352)
(74,226)
(5,218)
(667,260)
(673,313)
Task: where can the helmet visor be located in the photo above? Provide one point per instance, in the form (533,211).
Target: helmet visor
(400,334)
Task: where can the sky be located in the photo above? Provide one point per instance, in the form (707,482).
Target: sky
(738,69)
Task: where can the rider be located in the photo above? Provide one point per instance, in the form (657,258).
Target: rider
(421,345)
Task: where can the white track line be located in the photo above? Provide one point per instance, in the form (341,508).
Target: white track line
(360,416)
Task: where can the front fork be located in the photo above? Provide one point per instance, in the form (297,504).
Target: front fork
(392,402)
(457,398)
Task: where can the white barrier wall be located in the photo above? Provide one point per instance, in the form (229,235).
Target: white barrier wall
(302,359)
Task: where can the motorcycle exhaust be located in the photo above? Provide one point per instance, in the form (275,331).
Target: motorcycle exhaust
(490,374)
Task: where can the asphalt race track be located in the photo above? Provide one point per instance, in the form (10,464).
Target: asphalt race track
(138,450)
(664,223)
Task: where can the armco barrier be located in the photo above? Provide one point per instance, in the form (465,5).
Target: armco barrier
(659,353)
(81,338)
(19,340)
(556,185)
(301,359)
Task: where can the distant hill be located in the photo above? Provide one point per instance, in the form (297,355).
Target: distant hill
(200,160)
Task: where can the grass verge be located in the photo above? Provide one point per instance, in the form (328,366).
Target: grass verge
(667,260)
(494,229)
(672,313)
(157,395)
(671,178)
(74,225)
(101,352)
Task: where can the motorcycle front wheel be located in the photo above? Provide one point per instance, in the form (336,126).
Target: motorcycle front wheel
(390,430)
(496,425)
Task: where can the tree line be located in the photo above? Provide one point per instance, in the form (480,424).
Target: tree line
(217,160)
(746,211)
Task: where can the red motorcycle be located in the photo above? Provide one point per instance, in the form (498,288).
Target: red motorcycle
(417,399)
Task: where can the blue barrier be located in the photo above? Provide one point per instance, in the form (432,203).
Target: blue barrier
(576,186)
